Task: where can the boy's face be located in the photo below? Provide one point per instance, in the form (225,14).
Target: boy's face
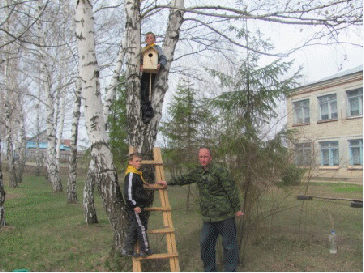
(149,39)
(136,162)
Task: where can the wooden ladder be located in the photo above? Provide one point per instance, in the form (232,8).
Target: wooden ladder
(165,209)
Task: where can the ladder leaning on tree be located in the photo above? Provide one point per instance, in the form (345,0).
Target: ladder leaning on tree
(165,209)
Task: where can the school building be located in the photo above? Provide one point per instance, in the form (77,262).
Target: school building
(328,119)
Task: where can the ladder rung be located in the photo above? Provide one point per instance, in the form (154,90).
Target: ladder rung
(158,256)
(151,162)
(163,230)
(159,209)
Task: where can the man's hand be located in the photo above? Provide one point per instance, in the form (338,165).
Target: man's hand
(138,210)
(239,213)
(163,184)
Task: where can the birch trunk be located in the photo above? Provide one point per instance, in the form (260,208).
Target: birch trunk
(21,146)
(111,88)
(62,109)
(102,170)
(2,195)
(38,155)
(143,136)
(46,83)
(8,106)
(133,51)
(72,172)
(52,170)
(10,145)
(89,196)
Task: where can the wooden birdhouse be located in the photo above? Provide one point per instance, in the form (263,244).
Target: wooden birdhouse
(150,60)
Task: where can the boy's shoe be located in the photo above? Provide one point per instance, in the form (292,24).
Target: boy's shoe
(144,254)
(125,253)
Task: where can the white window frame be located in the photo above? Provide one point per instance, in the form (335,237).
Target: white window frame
(329,149)
(359,148)
(303,154)
(350,95)
(329,101)
(302,111)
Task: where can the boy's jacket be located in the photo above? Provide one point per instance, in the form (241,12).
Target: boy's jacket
(134,193)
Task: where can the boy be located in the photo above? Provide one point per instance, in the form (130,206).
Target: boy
(148,78)
(136,198)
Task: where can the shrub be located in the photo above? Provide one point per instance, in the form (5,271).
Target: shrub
(292,175)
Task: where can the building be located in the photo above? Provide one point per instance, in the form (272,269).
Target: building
(328,118)
(32,144)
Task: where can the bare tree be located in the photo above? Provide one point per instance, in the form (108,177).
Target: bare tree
(72,169)
(2,194)
(101,170)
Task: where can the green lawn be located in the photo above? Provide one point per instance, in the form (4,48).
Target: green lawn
(44,233)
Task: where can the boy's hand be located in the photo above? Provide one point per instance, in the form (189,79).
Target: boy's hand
(162,183)
(138,210)
(141,68)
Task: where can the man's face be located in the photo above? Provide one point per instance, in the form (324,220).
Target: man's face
(136,162)
(204,157)
(149,39)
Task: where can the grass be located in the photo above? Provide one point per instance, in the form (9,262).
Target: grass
(44,233)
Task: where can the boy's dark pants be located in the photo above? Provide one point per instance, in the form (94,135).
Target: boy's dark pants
(147,109)
(137,231)
(209,234)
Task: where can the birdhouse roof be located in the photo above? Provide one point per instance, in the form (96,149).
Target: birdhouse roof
(149,49)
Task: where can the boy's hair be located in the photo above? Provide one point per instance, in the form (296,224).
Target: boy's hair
(131,156)
(149,32)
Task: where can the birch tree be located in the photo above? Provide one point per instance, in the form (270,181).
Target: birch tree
(101,170)
(2,194)
(143,136)
(47,85)
(72,169)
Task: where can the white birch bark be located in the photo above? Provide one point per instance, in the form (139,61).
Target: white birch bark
(9,105)
(102,169)
(133,51)
(2,193)
(21,144)
(38,155)
(10,145)
(144,136)
(52,171)
(72,169)
(62,109)
(111,88)
(46,83)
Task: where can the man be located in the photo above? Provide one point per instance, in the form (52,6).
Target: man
(220,204)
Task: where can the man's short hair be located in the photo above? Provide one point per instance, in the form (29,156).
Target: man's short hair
(205,147)
(131,156)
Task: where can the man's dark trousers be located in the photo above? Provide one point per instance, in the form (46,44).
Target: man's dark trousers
(209,234)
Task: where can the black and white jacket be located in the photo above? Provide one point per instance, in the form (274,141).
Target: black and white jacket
(134,193)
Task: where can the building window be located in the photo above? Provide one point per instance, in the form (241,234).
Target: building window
(303,154)
(329,153)
(355,102)
(356,152)
(327,107)
(302,112)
